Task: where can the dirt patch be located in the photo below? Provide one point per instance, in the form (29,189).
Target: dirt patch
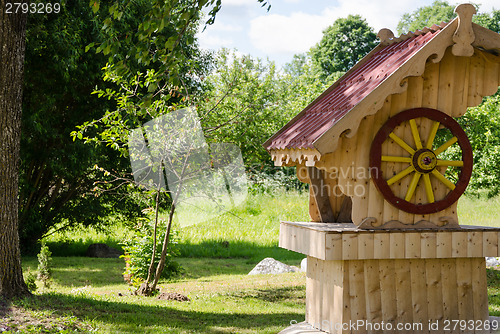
(15,319)
(173,296)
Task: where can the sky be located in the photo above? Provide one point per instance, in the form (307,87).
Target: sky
(294,26)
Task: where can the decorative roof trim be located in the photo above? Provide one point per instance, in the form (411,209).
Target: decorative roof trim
(291,157)
(464,35)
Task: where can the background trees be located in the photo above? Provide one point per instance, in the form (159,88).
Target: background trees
(343,44)
(151,50)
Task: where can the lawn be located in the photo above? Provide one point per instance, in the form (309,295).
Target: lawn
(89,295)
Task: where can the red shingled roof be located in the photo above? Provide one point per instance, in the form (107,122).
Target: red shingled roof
(348,91)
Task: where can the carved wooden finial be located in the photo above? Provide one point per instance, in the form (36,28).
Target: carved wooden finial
(464,36)
(385,35)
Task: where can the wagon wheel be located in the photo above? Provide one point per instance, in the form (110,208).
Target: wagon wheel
(421,161)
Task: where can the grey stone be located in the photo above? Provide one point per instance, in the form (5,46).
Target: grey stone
(492,261)
(303,265)
(271,266)
(103,251)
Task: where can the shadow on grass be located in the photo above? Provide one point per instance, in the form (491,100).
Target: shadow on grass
(82,271)
(123,317)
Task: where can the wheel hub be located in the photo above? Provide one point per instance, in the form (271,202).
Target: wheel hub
(424,160)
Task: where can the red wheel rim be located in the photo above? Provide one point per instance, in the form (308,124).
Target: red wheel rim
(380,180)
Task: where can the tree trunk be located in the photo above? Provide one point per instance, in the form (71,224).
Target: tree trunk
(12,43)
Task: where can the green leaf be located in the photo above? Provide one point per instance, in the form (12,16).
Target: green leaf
(95,6)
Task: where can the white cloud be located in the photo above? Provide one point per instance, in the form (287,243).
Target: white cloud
(488,5)
(297,32)
(286,34)
(214,42)
(223,27)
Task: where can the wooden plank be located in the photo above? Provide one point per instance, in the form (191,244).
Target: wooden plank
(479,288)
(474,244)
(388,292)
(490,78)
(458,244)
(464,290)
(412,245)
(430,86)
(319,194)
(337,307)
(434,289)
(446,83)
(346,294)
(362,177)
(419,294)
(313,291)
(444,244)
(460,93)
(375,199)
(480,77)
(350,246)
(449,278)
(302,240)
(404,292)
(365,246)
(397,241)
(490,243)
(381,246)
(357,290)
(473,95)
(372,291)
(326,297)
(313,207)
(428,245)
(333,244)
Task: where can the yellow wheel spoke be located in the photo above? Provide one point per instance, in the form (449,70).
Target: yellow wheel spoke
(395,159)
(400,175)
(455,163)
(445,146)
(428,188)
(432,135)
(444,180)
(416,135)
(413,186)
(401,143)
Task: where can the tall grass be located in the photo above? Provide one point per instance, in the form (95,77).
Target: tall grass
(250,231)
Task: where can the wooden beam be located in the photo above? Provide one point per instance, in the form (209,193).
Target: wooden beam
(320,194)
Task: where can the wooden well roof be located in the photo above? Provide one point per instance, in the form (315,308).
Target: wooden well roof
(331,106)
(361,91)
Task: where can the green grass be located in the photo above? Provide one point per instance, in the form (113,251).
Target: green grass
(250,231)
(223,298)
(479,211)
(90,295)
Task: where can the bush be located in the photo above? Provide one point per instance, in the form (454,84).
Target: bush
(30,281)
(272,181)
(139,249)
(45,265)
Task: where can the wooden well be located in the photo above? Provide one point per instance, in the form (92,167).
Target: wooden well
(427,277)
(384,244)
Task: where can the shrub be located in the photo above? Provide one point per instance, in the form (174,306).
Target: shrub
(139,249)
(272,181)
(45,265)
(30,281)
